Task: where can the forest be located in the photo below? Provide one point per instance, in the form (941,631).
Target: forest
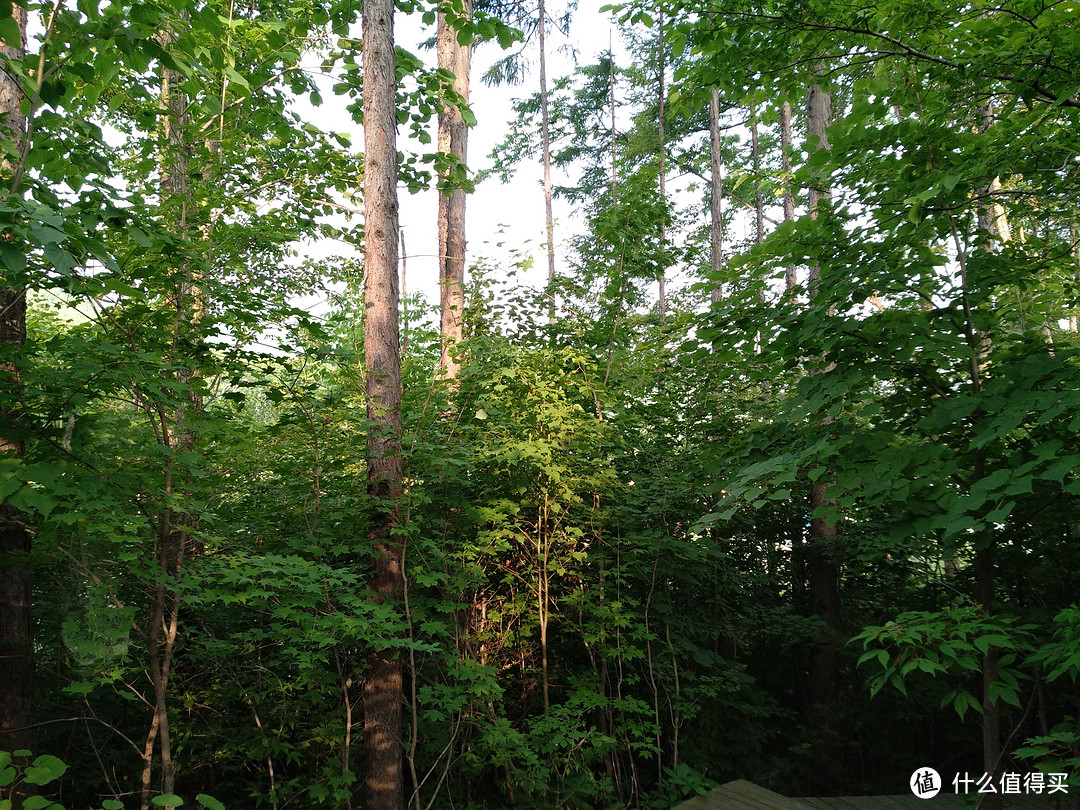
(775,478)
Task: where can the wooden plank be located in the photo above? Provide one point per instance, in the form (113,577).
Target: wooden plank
(943,801)
(910,802)
(742,795)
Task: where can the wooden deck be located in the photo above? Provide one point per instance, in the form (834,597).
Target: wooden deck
(743,795)
(943,801)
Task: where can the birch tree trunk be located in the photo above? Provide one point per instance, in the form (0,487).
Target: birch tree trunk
(16,594)
(453,140)
(383,784)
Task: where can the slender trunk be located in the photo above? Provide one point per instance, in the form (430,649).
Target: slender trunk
(148,762)
(164,620)
(1074,239)
(545,131)
(650,671)
(611,90)
(790,278)
(383,784)
(759,207)
(16,593)
(176,433)
(759,203)
(716,196)
(453,140)
(661,304)
(985,586)
(404,293)
(992,220)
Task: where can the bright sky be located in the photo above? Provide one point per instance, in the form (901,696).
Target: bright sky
(511,214)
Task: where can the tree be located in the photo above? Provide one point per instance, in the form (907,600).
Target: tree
(455,57)
(823,551)
(889,262)
(576,561)
(511,69)
(384,786)
(16,592)
(716,195)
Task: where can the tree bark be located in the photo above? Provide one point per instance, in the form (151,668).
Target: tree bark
(16,593)
(759,203)
(611,90)
(994,230)
(661,303)
(383,783)
(818,118)
(790,278)
(823,566)
(453,140)
(545,132)
(1074,240)
(176,433)
(716,196)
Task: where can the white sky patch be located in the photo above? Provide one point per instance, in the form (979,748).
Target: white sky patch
(503,221)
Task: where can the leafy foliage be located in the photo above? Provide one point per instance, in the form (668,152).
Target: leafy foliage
(607,519)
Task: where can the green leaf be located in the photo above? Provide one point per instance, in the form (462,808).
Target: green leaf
(898,683)
(59,258)
(45,769)
(209,802)
(167,800)
(13,258)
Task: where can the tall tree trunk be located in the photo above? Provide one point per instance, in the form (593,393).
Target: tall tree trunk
(611,90)
(994,231)
(716,196)
(1074,239)
(383,783)
(790,278)
(759,208)
(818,118)
(453,140)
(661,303)
(16,593)
(759,203)
(545,133)
(823,567)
